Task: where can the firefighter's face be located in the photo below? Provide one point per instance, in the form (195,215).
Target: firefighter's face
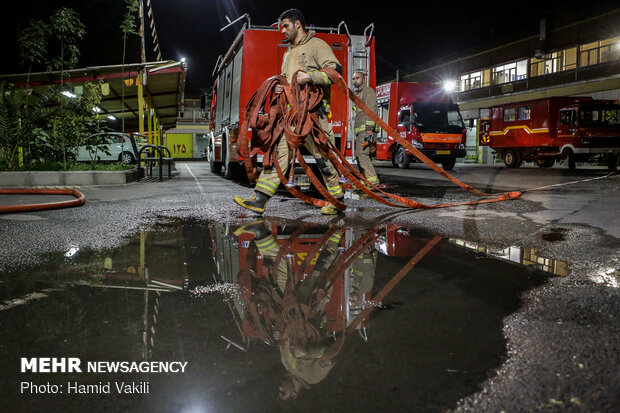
(358,79)
(290,30)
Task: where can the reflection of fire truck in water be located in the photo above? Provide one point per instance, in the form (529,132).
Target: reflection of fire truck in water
(551,129)
(345,257)
(424,115)
(255,55)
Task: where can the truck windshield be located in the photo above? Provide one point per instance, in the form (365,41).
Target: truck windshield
(437,117)
(600,115)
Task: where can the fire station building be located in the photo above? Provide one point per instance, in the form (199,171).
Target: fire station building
(580,58)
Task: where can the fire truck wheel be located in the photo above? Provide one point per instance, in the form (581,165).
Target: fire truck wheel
(512,158)
(401,159)
(216,167)
(448,164)
(612,162)
(570,156)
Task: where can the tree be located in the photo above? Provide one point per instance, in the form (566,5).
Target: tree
(67,28)
(33,42)
(23,120)
(77,119)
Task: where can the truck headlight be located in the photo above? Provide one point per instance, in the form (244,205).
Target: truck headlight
(417,144)
(461,146)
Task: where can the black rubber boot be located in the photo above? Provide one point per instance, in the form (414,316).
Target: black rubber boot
(256,202)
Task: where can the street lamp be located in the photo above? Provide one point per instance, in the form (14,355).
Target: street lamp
(449,85)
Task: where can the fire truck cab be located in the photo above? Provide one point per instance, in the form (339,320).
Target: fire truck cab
(424,115)
(557,128)
(255,55)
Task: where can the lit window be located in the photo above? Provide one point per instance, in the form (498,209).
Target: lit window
(509,114)
(524,113)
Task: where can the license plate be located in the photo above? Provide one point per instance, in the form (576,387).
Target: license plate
(443,152)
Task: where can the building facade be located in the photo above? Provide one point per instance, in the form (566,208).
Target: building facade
(581,58)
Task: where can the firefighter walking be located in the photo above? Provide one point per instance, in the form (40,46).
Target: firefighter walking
(307,54)
(365,128)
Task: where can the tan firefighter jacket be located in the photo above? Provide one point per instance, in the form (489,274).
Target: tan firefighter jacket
(362,121)
(310,55)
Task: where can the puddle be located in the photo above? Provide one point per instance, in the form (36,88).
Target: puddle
(555,234)
(317,315)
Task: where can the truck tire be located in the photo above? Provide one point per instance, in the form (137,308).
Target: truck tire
(545,163)
(570,157)
(393,152)
(401,158)
(216,167)
(612,162)
(448,164)
(512,159)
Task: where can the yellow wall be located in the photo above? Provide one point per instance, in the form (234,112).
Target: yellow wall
(180,145)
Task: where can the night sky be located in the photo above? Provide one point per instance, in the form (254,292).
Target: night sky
(408,34)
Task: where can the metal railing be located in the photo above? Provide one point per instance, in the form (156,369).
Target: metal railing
(153,159)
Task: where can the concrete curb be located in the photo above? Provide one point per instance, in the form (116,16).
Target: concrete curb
(68,178)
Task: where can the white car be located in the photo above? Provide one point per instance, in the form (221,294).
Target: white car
(121,147)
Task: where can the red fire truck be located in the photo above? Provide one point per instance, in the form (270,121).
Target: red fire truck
(424,115)
(255,55)
(556,128)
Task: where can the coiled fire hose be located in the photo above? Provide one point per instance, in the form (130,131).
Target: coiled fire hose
(293,113)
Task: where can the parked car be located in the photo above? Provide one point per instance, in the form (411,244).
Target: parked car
(111,147)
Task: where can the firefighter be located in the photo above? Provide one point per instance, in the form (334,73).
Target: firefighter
(308,54)
(365,128)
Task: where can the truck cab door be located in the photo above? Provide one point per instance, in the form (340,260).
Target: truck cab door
(404,122)
(567,126)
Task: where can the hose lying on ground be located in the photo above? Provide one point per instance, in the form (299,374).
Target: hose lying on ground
(80,199)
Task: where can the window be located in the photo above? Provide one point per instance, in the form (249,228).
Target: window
(599,52)
(569,59)
(588,54)
(567,117)
(607,115)
(405,118)
(509,114)
(524,113)
(471,81)
(510,72)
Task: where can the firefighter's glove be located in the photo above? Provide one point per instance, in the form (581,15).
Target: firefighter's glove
(369,138)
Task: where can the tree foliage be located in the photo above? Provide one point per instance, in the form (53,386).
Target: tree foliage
(51,125)
(66,28)
(33,41)
(129,23)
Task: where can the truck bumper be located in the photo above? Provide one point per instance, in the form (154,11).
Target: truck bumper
(439,154)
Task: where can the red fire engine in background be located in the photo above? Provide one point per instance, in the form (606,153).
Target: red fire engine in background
(424,115)
(255,55)
(551,129)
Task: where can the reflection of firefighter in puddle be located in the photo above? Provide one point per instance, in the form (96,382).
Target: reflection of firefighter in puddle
(362,275)
(289,312)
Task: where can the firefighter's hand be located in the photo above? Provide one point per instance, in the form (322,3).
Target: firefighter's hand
(303,78)
(278,89)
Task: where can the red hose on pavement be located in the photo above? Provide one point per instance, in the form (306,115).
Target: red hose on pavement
(80,199)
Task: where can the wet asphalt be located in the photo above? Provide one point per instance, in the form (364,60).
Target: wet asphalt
(515,309)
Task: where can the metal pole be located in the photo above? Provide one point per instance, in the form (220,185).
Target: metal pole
(141,32)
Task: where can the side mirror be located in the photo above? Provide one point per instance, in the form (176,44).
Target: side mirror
(471,123)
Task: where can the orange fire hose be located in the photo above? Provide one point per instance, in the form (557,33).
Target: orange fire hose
(80,199)
(269,115)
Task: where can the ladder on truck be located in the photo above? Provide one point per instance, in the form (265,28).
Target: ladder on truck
(358,57)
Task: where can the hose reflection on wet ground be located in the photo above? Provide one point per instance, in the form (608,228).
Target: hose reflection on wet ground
(269,316)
